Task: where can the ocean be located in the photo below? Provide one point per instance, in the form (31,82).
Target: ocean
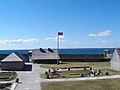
(67,51)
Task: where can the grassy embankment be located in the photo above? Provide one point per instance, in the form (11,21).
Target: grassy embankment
(5,86)
(7,76)
(78,73)
(111,84)
(98,65)
(103,66)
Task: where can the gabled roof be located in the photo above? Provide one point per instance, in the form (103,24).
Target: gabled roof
(45,54)
(116,56)
(14,57)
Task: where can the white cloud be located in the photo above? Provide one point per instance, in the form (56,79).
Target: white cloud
(103,41)
(76,42)
(2,42)
(61,36)
(54,38)
(49,38)
(101,34)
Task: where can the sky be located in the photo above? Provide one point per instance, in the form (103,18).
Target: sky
(30,24)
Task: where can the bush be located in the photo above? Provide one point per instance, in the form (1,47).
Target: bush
(46,73)
(84,68)
(48,76)
(82,75)
(106,73)
(68,69)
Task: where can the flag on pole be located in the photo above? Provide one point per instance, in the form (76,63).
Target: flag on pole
(60,33)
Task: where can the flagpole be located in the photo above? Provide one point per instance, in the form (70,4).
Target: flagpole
(57,48)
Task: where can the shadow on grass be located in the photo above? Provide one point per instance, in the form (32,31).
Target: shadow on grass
(54,63)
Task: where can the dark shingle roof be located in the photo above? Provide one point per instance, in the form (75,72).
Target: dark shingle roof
(45,54)
(13,57)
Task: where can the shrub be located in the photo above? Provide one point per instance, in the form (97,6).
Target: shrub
(82,75)
(106,73)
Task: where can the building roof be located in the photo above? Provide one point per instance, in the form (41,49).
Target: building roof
(45,54)
(14,57)
(118,50)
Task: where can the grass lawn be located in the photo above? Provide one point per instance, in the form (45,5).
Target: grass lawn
(110,84)
(5,86)
(77,73)
(70,74)
(7,76)
(78,64)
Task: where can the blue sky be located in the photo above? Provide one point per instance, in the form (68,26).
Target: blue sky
(28,24)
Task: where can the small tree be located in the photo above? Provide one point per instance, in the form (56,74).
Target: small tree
(106,73)
(68,69)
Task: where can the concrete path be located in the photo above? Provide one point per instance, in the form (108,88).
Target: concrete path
(13,86)
(30,80)
(82,79)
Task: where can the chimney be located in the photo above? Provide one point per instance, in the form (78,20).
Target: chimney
(42,50)
(50,50)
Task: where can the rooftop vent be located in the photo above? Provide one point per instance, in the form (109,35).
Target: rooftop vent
(42,50)
(50,50)
(107,51)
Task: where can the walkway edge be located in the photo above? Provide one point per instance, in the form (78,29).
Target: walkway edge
(14,85)
(82,79)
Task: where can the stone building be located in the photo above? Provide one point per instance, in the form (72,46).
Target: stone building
(115,60)
(71,55)
(14,61)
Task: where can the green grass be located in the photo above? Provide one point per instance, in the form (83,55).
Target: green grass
(7,76)
(110,84)
(77,73)
(112,72)
(5,86)
(78,64)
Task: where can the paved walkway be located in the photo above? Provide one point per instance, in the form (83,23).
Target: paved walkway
(82,79)
(30,80)
(13,86)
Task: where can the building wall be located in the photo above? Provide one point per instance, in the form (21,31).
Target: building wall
(49,61)
(12,65)
(83,58)
(115,61)
(74,58)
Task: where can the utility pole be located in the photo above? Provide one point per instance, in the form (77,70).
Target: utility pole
(58,42)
